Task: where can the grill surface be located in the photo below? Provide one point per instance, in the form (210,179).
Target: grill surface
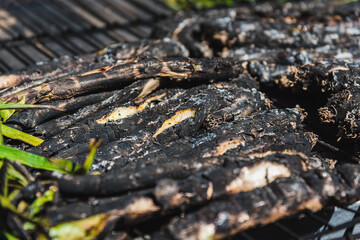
(32,31)
(324,225)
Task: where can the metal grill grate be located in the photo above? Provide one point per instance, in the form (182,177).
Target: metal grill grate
(311,225)
(32,31)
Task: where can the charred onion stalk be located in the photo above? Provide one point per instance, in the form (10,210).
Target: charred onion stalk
(122,74)
(227,128)
(290,49)
(286,183)
(269,27)
(31,118)
(54,126)
(149,176)
(280,198)
(338,84)
(66,66)
(203,103)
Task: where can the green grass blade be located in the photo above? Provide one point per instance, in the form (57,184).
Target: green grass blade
(87,228)
(178,5)
(1,135)
(65,165)
(39,202)
(28,159)
(4,178)
(19,135)
(38,162)
(6,114)
(10,236)
(94,144)
(13,194)
(15,175)
(6,106)
(6,204)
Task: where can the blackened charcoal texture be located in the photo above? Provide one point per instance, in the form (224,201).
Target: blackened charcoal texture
(326,76)
(343,111)
(215,31)
(33,117)
(120,75)
(225,217)
(53,127)
(171,193)
(129,208)
(125,97)
(147,121)
(90,128)
(249,136)
(278,199)
(119,182)
(161,48)
(337,85)
(66,65)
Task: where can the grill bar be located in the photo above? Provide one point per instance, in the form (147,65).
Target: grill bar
(319,219)
(331,229)
(246,236)
(34,30)
(325,230)
(350,229)
(287,230)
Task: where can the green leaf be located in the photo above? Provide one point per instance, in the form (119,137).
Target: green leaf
(6,204)
(94,144)
(38,162)
(13,194)
(15,175)
(6,106)
(6,114)
(29,226)
(19,135)
(88,228)
(28,159)
(4,178)
(39,202)
(65,165)
(10,236)
(199,4)
(1,135)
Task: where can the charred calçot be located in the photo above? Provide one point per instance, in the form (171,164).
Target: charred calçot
(283,181)
(122,120)
(54,126)
(338,83)
(122,74)
(65,66)
(23,83)
(180,165)
(147,122)
(188,136)
(263,205)
(289,46)
(218,32)
(238,175)
(246,136)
